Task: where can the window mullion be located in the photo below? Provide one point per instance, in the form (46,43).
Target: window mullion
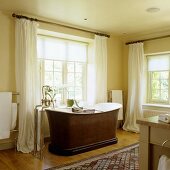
(149,95)
(74,80)
(169,87)
(160,91)
(64,81)
(53,73)
(84,80)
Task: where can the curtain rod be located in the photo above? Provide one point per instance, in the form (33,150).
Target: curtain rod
(62,25)
(149,39)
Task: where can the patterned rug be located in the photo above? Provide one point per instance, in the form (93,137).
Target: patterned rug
(120,159)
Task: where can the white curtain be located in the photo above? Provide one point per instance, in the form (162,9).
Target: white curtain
(135,87)
(26,76)
(100,47)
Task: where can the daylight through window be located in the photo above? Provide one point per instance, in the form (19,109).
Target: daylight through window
(63,65)
(158,78)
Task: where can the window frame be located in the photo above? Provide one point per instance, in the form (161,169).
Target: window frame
(150,100)
(64,70)
(149,85)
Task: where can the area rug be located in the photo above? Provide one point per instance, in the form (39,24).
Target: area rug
(126,158)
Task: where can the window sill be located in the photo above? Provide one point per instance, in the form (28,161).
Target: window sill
(156,106)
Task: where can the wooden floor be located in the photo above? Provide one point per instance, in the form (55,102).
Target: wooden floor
(11,160)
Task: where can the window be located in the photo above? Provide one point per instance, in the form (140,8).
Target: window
(158,78)
(63,66)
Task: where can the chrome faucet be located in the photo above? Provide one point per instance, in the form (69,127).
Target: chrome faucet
(48,94)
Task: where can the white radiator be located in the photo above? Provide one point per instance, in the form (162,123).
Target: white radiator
(150,113)
(118,98)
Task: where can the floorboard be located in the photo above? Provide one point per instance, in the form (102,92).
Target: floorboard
(11,160)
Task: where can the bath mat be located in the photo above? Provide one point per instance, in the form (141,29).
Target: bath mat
(121,159)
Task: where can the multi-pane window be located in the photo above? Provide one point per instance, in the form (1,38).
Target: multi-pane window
(63,66)
(158,78)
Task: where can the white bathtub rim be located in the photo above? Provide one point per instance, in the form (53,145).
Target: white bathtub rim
(105,107)
(99,108)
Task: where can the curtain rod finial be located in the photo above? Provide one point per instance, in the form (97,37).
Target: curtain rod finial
(14,15)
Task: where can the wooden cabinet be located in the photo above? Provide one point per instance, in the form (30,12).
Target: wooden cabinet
(152,135)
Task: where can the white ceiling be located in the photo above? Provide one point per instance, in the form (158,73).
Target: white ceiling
(110,16)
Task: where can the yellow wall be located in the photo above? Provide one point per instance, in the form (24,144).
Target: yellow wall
(125,74)
(157,46)
(117,54)
(7,53)
(115,64)
(7,66)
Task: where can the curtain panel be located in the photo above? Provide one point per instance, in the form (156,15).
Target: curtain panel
(135,87)
(26,78)
(100,47)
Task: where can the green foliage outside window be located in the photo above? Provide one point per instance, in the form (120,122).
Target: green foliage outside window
(159,85)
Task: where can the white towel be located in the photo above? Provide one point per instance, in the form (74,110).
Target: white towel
(164,163)
(117,98)
(5,114)
(13,115)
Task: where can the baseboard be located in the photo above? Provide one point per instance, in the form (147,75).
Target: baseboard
(8,144)
(119,124)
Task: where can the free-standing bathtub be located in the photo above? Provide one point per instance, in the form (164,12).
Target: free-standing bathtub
(73,133)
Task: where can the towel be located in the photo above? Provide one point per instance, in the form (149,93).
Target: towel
(5,114)
(164,163)
(117,98)
(13,115)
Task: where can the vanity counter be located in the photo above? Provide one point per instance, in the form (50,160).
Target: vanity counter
(153,133)
(154,122)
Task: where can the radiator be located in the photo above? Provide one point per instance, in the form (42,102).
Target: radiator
(150,113)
